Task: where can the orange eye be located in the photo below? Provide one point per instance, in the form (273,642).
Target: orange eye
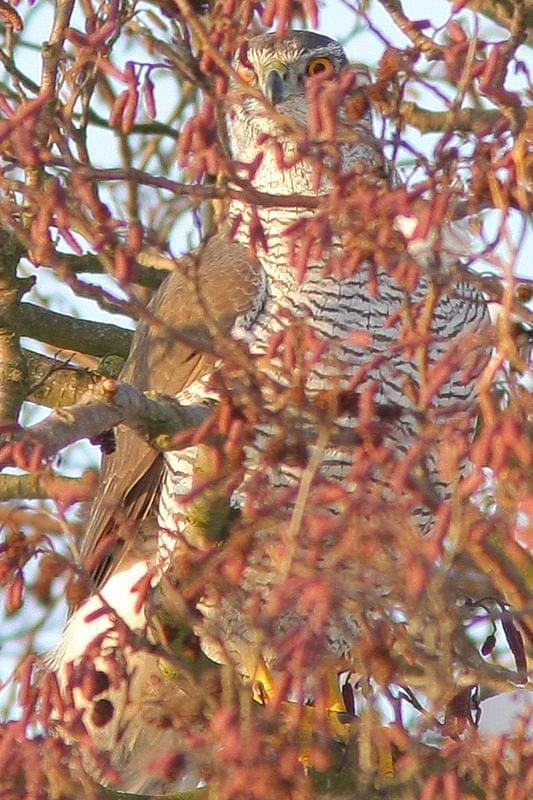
(320,66)
(246,74)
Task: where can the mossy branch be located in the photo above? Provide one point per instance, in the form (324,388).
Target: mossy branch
(502,12)
(41,487)
(109,403)
(54,383)
(12,364)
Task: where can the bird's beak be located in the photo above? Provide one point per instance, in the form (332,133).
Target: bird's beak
(274,82)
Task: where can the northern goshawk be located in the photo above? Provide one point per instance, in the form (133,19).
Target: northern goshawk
(355,316)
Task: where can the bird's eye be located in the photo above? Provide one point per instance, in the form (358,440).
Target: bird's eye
(320,66)
(246,74)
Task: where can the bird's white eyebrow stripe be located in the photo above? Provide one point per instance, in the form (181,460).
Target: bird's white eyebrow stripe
(295,55)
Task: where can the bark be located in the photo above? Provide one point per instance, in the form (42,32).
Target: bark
(53,383)
(93,338)
(108,404)
(12,364)
(503,13)
(42,487)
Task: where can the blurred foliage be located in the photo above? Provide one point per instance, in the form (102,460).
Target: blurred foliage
(141,87)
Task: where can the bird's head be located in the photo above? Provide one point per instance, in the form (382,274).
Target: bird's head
(274,76)
(298,91)
(281,68)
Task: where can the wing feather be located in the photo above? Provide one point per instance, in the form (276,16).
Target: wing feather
(225,282)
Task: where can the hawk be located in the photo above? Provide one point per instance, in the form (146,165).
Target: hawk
(344,320)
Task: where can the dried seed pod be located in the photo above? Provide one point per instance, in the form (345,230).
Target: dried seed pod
(102,712)
(93,683)
(149,98)
(117,112)
(15,593)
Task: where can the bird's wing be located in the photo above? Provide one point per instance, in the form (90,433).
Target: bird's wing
(222,283)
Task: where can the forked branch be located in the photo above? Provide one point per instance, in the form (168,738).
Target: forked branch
(108,404)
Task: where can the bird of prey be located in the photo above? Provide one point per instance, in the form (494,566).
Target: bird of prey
(355,318)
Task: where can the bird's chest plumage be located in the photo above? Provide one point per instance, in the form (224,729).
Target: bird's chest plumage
(332,309)
(359,329)
(336,311)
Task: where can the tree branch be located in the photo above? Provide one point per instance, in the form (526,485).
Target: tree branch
(153,128)
(54,383)
(53,48)
(431,50)
(502,12)
(151,268)
(247,193)
(42,487)
(12,364)
(93,338)
(465,119)
(155,417)
(109,403)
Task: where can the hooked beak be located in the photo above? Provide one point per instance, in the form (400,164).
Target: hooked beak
(274,85)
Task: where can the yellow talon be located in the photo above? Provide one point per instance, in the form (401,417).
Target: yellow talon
(263,689)
(334,701)
(385,762)
(262,683)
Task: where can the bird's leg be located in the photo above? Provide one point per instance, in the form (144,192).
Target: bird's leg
(262,682)
(339,718)
(263,687)
(334,699)
(385,761)
(336,705)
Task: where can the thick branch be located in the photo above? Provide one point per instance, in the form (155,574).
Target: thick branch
(94,338)
(151,269)
(53,383)
(465,119)
(109,404)
(157,418)
(503,13)
(52,49)
(12,365)
(41,487)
